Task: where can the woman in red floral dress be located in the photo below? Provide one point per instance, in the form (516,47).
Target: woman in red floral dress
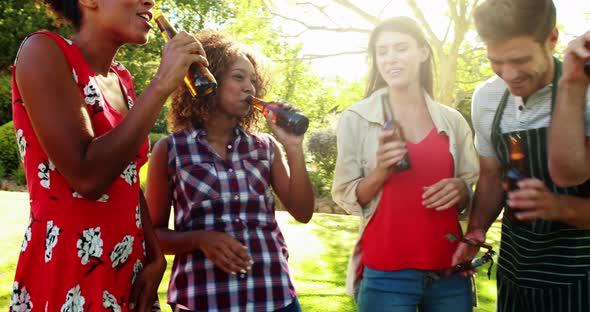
(82,136)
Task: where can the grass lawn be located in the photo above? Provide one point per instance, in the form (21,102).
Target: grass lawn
(319,254)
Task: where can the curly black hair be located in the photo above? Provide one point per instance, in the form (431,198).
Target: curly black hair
(67,10)
(187,111)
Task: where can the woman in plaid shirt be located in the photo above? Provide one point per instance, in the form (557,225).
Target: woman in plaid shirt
(219,175)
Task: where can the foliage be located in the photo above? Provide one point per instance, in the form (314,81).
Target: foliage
(322,147)
(19,175)
(2,170)
(9,156)
(17,20)
(5,99)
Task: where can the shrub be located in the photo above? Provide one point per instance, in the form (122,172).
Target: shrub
(19,175)
(322,147)
(9,156)
(2,171)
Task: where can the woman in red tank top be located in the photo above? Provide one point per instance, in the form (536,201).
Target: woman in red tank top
(405,213)
(82,136)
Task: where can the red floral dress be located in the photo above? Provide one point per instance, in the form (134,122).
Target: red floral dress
(78,254)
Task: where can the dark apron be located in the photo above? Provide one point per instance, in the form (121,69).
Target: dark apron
(543,265)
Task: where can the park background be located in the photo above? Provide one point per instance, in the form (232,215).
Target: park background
(316,56)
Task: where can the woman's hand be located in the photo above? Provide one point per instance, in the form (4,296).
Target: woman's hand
(287,139)
(226,252)
(177,56)
(445,194)
(389,152)
(145,289)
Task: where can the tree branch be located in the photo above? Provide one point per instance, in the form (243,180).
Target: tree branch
(321,9)
(324,28)
(420,16)
(368,17)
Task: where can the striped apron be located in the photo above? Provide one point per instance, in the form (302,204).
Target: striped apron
(542,265)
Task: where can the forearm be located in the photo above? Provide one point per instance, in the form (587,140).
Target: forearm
(177,243)
(487,204)
(301,200)
(576,211)
(568,160)
(369,187)
(153,250)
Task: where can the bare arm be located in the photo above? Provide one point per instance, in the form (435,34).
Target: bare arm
(569,147)
(291,182)
(62,124)
(488,196)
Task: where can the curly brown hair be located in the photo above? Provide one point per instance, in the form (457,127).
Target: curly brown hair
(187,111)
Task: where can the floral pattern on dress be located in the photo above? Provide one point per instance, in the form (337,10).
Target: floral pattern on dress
(122,251)
(93,97)
(74,301)
(130,173)
(45,169)
(137,268)
(104,198)
(22,144)
(90,248)
(130,102)
(110,302)
(119,66)
(28,235)
(53,232)
(137,217)
(20,301)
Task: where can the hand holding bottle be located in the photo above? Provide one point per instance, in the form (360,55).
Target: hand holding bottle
(183,58)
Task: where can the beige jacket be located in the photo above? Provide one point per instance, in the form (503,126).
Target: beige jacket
(357,139)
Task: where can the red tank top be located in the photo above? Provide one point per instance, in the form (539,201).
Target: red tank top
(403,233)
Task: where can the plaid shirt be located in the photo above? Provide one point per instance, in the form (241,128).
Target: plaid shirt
(233,196)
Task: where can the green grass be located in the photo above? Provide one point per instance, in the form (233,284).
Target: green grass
(318,257)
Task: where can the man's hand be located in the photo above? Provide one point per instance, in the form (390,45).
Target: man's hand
(466,252)
(534,201)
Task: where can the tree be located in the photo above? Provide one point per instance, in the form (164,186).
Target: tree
(447,50)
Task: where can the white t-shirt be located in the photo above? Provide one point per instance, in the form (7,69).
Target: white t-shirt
(517,116)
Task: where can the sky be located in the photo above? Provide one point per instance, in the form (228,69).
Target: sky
(574,15)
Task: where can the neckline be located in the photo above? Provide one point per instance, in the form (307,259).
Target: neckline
(423,138)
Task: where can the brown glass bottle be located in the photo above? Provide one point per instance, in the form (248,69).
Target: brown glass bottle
(292,121)
(198,79)
(587,68)
(518,167)
(398,133)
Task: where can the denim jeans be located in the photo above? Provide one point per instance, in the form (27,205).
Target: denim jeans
(407,290)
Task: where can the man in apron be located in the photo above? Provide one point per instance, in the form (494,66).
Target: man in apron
(544,258)
(569,140)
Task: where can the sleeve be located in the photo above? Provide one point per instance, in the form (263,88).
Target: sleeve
(482,123)
(467,160)
(348,171)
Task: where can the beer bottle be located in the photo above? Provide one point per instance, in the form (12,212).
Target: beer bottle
(198,79)
(587,68)
(518,167)
(290,120)
(398,133)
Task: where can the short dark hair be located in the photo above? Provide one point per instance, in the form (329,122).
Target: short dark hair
(410,27)
(498,20)
(66,9)
(222,51)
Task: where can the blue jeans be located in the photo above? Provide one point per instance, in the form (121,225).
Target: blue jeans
(406,290)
